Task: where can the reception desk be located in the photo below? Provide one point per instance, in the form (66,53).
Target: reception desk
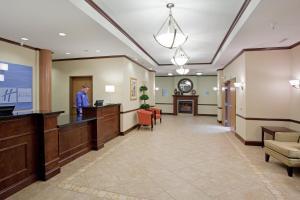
(28,150)
(34,146)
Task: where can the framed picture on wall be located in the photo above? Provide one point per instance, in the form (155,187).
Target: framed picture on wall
(133,89)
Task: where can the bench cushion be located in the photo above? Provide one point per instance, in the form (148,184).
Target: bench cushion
(288,149)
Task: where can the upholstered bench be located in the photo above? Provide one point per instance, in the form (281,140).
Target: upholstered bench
(285,148)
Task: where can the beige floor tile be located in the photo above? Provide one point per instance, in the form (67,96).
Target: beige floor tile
(184,158)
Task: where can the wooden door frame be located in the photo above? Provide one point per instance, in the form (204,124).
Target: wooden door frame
(225,121)
(70,90)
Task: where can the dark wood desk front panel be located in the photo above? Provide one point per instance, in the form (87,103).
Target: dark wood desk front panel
(18,154)
(74,141)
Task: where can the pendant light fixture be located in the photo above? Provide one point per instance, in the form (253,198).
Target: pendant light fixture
(180,57)
(170,34)
(182,70)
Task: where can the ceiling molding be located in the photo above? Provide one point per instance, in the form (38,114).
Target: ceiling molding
(103,57)
(259,49)
(19,44)
(117,26)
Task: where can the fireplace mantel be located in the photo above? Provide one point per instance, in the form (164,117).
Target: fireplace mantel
(193,98)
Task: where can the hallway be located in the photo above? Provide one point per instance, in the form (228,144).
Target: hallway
(184,158)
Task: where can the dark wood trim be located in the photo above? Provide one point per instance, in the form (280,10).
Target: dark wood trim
(208,115)
(236,19)
(167,113)
(239,137)
(18,44)
(220,108)
(268,119)
(128,111)
(220,122)
(164,103)
(206,104)
(138,64)
(248,143)
(87,58)
(253,143)
(259,49)
(129,130)
(103,57)
(117,26)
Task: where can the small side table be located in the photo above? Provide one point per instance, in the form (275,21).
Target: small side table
(272,130)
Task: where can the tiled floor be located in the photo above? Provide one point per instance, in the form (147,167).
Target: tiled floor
(184,158)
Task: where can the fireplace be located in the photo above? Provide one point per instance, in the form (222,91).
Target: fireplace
(185,106)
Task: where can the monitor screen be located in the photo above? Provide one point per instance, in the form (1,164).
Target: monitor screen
(99,103)
(7,110)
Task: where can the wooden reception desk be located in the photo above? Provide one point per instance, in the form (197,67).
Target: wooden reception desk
(34,146)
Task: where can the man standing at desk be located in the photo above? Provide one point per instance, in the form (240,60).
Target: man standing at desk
(82,99)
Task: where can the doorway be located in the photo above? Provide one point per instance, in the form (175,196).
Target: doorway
(229,104)
(76,83)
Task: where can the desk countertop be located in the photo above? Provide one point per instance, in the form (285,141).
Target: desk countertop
(67,120)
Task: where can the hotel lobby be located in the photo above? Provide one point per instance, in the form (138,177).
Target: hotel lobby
(149,100)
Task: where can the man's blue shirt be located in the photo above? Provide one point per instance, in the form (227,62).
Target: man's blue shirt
(82,101)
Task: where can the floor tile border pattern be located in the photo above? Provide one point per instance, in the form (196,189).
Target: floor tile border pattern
(277,194)
(99,193)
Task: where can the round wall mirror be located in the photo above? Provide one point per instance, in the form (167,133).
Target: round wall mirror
(185,85)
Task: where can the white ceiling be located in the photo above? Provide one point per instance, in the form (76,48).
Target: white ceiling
(206,21)
(41,20)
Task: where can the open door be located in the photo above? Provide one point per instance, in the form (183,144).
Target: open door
(76,83)
(229,102)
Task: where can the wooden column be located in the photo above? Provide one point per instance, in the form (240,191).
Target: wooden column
(45,79)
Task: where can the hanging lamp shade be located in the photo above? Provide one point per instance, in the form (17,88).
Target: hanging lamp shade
(180,57)
(182,70)
(170,34)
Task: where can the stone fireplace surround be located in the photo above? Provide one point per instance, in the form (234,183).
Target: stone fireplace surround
(193,98)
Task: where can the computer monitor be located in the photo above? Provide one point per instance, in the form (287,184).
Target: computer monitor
(98,103)
(7,110)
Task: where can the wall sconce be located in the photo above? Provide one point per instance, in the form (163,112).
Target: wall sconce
(110,88)
(215,88)
(295,83)
(239,85)
(156,88)
(3,67)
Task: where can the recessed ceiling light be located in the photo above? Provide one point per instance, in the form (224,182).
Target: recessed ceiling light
(199,73)
(62,34)
(170,74)
(24,39)
(98,51)
(68,53)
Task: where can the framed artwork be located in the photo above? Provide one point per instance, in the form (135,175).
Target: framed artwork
(133,89)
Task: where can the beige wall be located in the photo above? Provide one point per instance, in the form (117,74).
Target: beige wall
(20,55)
(108,71)
(237,70)
(295,93)
(267,92)
(203,86)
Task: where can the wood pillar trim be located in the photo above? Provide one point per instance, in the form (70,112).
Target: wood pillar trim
(45,70)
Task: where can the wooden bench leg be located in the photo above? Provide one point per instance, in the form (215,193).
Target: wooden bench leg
(290,171)
(267,157)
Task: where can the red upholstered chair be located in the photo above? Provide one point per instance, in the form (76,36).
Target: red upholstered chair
(145,118)
(156,113)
